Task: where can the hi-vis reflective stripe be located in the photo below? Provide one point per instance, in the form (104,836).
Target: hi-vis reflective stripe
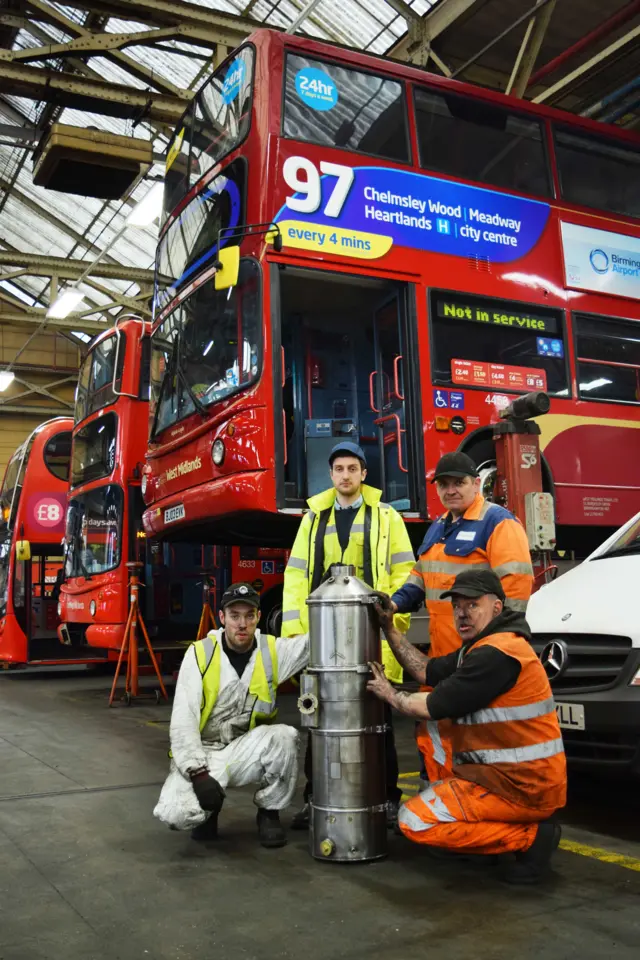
(452,569)
(208,646)
(528,711)
(439,754)
(409,819)
(330,529)
(261,706)
(291,615)
(536,751)
(297,563)
(357,528)
(431,593)
(402,557)
(513,567)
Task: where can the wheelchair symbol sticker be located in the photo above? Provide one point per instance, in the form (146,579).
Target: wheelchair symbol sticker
(441,399)
(267,566)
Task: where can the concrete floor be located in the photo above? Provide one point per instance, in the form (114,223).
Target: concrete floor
(86,873)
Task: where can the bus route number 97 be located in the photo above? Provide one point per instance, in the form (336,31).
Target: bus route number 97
(302,176)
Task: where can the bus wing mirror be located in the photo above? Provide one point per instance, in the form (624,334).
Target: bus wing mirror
(23,550)
(228,268)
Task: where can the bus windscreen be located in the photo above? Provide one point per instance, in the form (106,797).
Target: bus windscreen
(94,532)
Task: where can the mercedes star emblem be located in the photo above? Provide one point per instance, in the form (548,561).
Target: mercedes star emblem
(554,658)
(566,617)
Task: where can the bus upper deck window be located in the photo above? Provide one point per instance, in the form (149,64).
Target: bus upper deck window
(608,359)
(474,140)
(338,107)
(598,173)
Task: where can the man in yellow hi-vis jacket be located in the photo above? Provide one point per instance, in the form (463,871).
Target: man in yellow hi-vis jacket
(349,524)
(223,724)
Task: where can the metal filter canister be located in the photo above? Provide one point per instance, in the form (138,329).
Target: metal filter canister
(346,722)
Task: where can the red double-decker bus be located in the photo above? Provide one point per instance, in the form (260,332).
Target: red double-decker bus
(33,502)
(414,252)
(104,516)
(103,524)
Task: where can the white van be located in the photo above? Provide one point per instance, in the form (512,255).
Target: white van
(586,630)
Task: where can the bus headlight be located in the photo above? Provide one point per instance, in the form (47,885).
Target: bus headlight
(92,608)
(59,609)
(143,484)
(217,452)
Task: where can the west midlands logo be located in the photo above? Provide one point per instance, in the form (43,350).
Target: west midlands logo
(599,261)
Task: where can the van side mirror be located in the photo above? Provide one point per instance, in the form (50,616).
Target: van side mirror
(227,268)
(23,550)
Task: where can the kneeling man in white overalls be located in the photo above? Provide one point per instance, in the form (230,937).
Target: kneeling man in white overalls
(223,730)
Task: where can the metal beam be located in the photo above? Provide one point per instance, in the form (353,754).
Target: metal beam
(11,314)
(529,50)
(128,63)
(26,410)
(64,269)
(94,96)
(45,392)
(231,28)
(504,33)
(586,67)
(436,21)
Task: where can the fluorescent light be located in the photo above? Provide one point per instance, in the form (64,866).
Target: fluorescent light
(6,377)
(594,384)
(65,304)
(147,209)
(207,348)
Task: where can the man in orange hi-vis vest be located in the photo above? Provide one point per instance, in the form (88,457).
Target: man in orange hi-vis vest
(473,534)
(509,769)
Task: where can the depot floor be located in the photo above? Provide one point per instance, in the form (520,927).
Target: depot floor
(86,873)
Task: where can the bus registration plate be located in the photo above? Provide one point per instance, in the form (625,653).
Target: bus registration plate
(570,716)
(172,514)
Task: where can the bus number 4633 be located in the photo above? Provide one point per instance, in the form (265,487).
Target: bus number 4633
(309,190)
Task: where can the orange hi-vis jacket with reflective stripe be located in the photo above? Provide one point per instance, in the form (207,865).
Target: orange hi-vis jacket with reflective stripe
(513,747)
(486,537)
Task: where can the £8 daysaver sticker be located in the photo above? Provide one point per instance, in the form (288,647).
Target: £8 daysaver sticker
(316,88)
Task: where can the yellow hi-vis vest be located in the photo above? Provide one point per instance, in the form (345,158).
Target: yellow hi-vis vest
(263,685)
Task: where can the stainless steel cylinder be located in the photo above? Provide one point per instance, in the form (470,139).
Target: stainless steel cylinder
(348,806)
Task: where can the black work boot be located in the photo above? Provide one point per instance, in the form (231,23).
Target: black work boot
(270,832)
(207,830)
(532,865)
(301,818)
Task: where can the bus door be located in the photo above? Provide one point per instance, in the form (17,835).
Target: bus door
(343,349)
(44,599)
(387,403)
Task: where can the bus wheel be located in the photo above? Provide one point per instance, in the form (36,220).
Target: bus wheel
(488,472)
(273,620)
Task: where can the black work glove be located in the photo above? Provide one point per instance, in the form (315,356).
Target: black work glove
(208,791)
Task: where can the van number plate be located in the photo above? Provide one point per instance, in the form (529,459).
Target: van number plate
(172,514)
(570,716)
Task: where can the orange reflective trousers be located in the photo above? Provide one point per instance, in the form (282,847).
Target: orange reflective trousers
(459,815)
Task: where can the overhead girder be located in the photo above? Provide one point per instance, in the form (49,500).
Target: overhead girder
(529,50)
(415,46)
(64,269)
(232,29)
(94,96)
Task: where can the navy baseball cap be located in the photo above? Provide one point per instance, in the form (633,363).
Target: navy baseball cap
(347,449)
(240,593)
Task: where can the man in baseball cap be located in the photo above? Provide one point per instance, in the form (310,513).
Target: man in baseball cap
(348,523)
(473,535)
(223,732)
(509,772)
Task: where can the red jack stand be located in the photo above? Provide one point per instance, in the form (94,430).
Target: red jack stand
(130,646)
(207,622)
(519,479)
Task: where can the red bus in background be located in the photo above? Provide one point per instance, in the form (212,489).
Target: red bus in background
(414,253)
(103,524)
(33,502)
(104,514)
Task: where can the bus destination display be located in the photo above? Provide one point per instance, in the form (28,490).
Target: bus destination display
(496,313)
